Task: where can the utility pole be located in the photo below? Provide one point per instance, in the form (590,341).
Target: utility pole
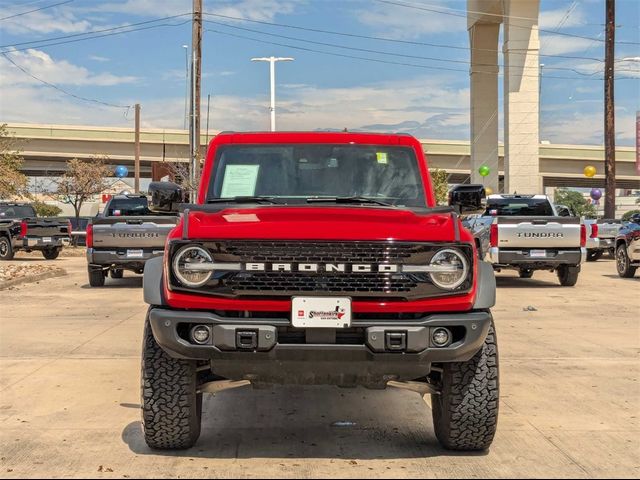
(208,105)
(272,75)
(137,149)
(609,113)
(196,73)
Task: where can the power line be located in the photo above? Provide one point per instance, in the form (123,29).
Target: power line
(91,32)
(434,10)
(51,85)
(376,60)
(36,10)
(392,40)
(379,52)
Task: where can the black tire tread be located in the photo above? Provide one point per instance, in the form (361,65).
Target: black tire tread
(171,407)
(51,253)
(629,270)
(10,252)
(567,275)
(465,413)
(96,277)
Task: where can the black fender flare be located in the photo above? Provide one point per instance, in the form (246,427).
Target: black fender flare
(486,289)
(152,281)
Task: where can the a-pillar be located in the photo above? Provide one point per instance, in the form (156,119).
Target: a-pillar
(521,97)
(483,39)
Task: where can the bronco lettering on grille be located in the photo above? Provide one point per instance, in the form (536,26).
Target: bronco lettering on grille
(321,267)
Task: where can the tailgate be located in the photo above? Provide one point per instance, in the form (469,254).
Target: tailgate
(608,230)
(47,227)
(132,232)
(538,232)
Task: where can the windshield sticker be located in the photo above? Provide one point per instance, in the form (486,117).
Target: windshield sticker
(382,157)
(239,181)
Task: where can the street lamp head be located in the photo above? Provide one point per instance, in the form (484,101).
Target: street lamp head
(272,59)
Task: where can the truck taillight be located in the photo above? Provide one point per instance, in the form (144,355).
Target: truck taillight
(583,235)
(594,231)
(493,235)
(89,240)
(24,228)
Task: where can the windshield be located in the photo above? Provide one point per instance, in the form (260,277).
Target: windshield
(128,207)
(16,211)
(296,173)
(520,206)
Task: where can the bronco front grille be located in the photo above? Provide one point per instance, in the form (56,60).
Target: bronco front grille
(373,285)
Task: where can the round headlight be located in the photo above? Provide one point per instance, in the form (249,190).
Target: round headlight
(188,263)
(449,268)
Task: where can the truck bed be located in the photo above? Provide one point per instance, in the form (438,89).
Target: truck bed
(142,232)
(538,232)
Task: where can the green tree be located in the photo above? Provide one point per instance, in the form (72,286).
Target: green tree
(627,216)
(576,202)
(45,210)
(440,178)
(81,182)
(13,182)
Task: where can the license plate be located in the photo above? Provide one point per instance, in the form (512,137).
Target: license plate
(321,312)
(134,254)
(538,253)
(46,239)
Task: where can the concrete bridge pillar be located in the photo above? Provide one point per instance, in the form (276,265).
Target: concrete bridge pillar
(521,96)
(483,38)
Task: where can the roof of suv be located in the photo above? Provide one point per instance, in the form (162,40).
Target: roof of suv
(315,137)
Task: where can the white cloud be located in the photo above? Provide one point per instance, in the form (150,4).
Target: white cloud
(98,58)
(59,19)
(404,23)
(551,44)
(551,19)
(586,128)
(59,72)
(251,9)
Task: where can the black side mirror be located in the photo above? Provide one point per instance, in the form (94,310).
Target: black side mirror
(165,197)
(468,198)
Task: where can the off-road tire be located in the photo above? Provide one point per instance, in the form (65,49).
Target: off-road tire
(594,255)
(568,275)
(96,277)
(525,273)
(6,249)
(117,273)
(623,264)
(465,413)
(171,406)
(51,253)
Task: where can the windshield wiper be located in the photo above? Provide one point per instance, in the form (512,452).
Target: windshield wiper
(355,199)
(243,199)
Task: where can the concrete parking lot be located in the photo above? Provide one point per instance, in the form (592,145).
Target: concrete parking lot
(570,394)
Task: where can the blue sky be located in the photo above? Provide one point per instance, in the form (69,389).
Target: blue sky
(316,91)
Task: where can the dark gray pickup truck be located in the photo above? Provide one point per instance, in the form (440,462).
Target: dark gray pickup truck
(21,229)
(124,237)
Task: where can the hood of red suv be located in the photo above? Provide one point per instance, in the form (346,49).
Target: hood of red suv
(320,223)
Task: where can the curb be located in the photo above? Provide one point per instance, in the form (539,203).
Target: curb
(58,272)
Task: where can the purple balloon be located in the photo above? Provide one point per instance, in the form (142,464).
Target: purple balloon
(596,193)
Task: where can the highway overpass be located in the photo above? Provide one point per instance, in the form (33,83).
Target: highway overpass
(46,148)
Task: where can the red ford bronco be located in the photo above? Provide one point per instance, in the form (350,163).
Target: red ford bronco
(319,259)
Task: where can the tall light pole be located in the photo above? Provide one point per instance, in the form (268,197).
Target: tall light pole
(272,70)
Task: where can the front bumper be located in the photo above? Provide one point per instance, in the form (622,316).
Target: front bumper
(39,243)
(121,257)
(522,257)
(365,356)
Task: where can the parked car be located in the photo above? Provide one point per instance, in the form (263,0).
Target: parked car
(628,248)
(124,237)
(22,229)
(527,234)
(319,258)
(606,230)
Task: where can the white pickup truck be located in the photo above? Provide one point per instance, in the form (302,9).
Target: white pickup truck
(527,234)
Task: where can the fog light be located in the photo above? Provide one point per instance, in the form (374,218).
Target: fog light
(200,334)
(440,337)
